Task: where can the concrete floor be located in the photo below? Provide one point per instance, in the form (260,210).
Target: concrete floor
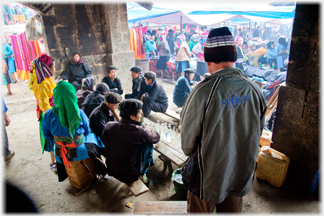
(29,169)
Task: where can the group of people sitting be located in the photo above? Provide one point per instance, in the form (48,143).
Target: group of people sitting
(73,117)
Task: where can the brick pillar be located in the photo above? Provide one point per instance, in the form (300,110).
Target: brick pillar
(296,131)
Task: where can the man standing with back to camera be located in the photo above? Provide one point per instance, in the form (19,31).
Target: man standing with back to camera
(222,121)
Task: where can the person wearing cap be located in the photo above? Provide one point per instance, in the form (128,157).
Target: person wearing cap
(86,89)
(222,121)
(103,113)
(139,86)
(183,87)
(95,99)
(155,99)
(113,81)
(128,146)
(76,71)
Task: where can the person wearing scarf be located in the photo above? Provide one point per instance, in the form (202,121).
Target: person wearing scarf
(199,51)
(164,52)
(193,41)
(149,48)
(239,61)
(86,89)
(183,54)
(139,85)
(68,127)
(42,85)
(76,71)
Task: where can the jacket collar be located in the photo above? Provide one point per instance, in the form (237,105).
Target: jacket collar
(128,121)
(230,71)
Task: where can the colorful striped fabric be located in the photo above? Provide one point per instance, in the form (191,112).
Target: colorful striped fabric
(41,71)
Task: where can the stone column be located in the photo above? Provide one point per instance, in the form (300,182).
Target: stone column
(99,32)
(296,131)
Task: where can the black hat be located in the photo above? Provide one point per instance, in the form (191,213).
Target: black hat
(113,98)
(129,107)
(150,75)
(109,68)
(220,46)
(189,70)
(136,69)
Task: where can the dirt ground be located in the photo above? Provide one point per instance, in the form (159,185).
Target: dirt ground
(29,170)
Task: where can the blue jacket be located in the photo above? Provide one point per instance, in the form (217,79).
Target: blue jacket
(149,46)
(272,53)
(181,90)
(8,50)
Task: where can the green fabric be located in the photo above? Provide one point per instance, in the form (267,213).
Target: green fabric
(42,138)
(192,44)
(66,106)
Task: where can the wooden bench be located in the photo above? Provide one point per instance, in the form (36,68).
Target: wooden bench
(160,207)
(174,115)
(136,188)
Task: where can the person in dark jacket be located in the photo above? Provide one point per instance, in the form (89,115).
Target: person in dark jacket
(129,149)
(76,71)
(93,100)
(139,86)
(112,80)
(182,87)
(103,113)
(86,89)
(170,39)
(156,98)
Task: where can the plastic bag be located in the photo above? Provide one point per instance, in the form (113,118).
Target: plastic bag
(33,31)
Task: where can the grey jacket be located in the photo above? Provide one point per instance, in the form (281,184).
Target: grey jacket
(222,121)
(164,49)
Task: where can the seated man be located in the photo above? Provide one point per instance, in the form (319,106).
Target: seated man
(93,100)
(86,89)
(139,85)
(129,149)
(103,113)
(76,71)
(182,87)
(112,80)
(156,98)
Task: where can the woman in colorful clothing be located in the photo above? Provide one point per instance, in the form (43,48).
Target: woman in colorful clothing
(9,58)
(199,51)
(42,84)
(68,127)
(193,41)
(164,52)
(6,77)
(183,54)
(239,61)
(86,89)
(149,48)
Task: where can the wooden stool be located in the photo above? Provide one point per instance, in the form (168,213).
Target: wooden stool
(166,163)
(136,188)
(160,207)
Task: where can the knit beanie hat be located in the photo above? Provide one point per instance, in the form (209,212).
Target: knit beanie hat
(220,46)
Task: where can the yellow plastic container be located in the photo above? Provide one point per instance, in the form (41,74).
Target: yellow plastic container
(272,166)
(265,140)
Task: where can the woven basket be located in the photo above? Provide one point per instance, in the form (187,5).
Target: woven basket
(81,173)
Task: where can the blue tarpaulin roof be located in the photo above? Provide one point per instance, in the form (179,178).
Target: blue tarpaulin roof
(275,13)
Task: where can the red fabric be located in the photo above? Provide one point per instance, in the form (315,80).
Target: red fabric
(64,152)
(45,59)
(274,84)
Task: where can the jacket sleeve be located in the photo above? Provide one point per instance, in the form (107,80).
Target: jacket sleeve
(195,49)
(119,87)
(154,94)
(85,121)
(147,136)
(87,70)
(186,48)
(191,118)
(185,86)
(67,73)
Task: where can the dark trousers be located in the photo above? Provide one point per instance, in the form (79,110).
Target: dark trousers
(5,142)
(230,204)
(76,85)
(145,157)
(156,107)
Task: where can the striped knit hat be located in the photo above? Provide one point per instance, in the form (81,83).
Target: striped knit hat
(220,46)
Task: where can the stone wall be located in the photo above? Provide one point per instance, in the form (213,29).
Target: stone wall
(296,131)
(99,32)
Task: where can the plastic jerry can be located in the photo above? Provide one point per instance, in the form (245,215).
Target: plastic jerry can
(272,166)
(265,140)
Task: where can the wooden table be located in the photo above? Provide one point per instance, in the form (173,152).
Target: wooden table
(171,151)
